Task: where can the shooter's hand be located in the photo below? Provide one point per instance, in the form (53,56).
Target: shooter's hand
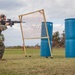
(7,24)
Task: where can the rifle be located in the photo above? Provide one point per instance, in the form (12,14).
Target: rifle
(10,22)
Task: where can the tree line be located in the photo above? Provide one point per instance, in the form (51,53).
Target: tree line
(58,40)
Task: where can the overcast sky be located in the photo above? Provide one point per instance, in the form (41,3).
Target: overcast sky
(55,11)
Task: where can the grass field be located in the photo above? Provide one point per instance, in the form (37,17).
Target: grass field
(14,62)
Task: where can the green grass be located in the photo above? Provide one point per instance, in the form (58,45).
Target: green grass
(14,62)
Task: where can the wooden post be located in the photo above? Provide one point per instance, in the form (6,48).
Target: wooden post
(20,18)
(47,34)
(31,12)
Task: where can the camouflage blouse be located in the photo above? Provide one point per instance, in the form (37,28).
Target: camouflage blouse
(3,27)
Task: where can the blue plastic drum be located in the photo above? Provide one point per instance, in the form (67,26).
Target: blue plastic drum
(70,48)
(45,51)
(70,28)
(70,37)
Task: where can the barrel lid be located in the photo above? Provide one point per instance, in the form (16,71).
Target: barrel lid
(70,19)
(48,22)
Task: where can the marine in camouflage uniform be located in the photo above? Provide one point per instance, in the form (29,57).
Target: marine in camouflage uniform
(2,28)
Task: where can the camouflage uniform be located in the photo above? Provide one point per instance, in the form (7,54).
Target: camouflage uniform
(2,28)
(2,47)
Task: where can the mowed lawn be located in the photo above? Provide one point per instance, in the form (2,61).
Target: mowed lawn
(15,62)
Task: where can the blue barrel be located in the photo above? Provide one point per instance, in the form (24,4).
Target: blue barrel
(50,29)
(70,48)
(70,37)
(70,28)
(45,51)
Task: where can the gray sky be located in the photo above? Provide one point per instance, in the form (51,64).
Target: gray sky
(55,11)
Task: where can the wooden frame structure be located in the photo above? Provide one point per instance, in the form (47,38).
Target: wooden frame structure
(42,12)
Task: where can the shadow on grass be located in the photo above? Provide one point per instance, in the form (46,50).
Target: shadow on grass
(59,56)
(3,59)
(28,57)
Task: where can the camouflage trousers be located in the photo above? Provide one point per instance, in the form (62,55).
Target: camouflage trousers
(2,49)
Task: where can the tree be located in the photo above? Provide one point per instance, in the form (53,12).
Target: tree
(62,42)
(56,39)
